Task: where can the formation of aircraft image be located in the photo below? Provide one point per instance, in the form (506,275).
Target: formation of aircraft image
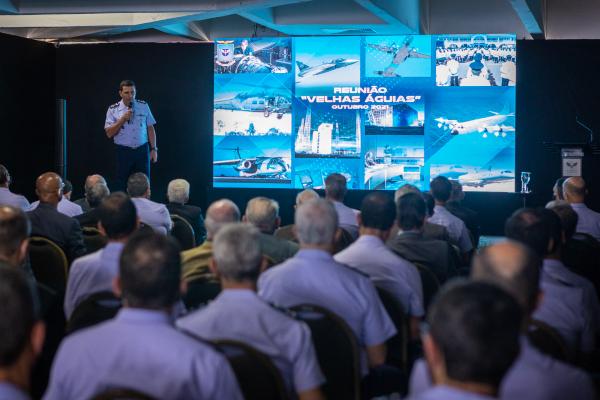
(400,53)
(493,124)
(257,101)
(328,66)
(258,167)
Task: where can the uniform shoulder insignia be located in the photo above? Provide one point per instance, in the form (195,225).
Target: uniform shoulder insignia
(140,101)
(114,105)
(283,310)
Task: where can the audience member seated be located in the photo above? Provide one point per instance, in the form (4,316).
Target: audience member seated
(471,342)
(8,198)
(48,222)
(574,190)
(516,269)
(95,272)
(65,205)
(239,314)
(312,276)
(263,213)
(140,349)
(22,333)
(430,230)
(93,198)
(195,261)
(409,243)
(90,182)
(557,189)
(335,191)
(287,232)
(155,215)
(468,216)
(566,305)
(178,194)
(441,188)
(386,269)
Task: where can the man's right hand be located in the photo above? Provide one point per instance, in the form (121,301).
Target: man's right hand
(127,116)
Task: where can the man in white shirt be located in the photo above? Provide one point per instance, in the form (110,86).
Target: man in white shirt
(335,191)
(150,213)
(574,191)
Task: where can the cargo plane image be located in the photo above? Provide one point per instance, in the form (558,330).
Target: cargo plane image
(258,167)
(399,55)
(493,124)
(328,66)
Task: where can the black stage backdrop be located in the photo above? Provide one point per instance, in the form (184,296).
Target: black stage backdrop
(27,108)
(557,82)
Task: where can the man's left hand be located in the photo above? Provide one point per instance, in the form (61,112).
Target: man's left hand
(154,156)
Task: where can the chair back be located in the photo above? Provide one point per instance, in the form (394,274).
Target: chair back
(122,394)
(342,239)
(337,351)
(397,345)
(547,340)
(183,232)
(93,239)
(256,374)
(49,263)
(96,308)
(430,283)
(199,292)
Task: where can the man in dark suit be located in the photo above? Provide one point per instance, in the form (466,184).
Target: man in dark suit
(409,243)
(178,193)
(94,197)
(90,182)
(46,221)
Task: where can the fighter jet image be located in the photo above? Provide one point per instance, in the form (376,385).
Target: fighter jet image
(482,178)
(258,167)
(492,124)
(328,66)
(400,53)
(257,101)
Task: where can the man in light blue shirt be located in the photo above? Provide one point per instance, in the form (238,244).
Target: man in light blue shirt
(130,124)
(8,198)
(335,191)
(150,213)
(371,256)
(239,314)
(140,349)
(312,276)
(574,191)
(441,188)
(65,205)
(95,272)
(471,341)
(533,376)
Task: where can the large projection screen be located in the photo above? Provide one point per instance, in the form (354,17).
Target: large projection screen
(383,111)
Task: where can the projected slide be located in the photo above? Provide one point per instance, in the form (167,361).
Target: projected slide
(383,111)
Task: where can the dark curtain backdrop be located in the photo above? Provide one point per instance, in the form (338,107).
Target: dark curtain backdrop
(557,82)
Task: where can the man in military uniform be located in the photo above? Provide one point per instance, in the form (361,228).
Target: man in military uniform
(131,124)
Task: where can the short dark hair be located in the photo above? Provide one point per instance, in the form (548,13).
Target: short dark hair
(137,184)
(411,211)
(19,311)
(476,325)
(4,175)
(67,186)
(118,215)
(150,271)
(336,186)
(15,227)
(568,219)
(440,188)
(527,226)
(378,211)
(429,202)
(126,82)
(559,187)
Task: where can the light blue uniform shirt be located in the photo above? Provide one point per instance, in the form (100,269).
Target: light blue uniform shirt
(347,218)
(588,221)
(92,274)
(135,132)
(443,392)
(314,277)
(9,391)
(387,270)
(153,214)
(533,376)
(140,350)
(238,314)
(457,230)
(65,206)
(8,198)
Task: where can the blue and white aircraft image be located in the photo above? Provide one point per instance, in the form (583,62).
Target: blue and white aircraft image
(493,124)
(328,66)
(258,167)
(482,178)
(400,53)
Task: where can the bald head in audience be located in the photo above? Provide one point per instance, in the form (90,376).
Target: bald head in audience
(263,213)
(405,189)
(91,180)
(48,188)
(219,213)
(306,195)
(574,190)
(15,229)
(513,267)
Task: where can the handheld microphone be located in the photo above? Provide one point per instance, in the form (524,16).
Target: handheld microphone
(130,108)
